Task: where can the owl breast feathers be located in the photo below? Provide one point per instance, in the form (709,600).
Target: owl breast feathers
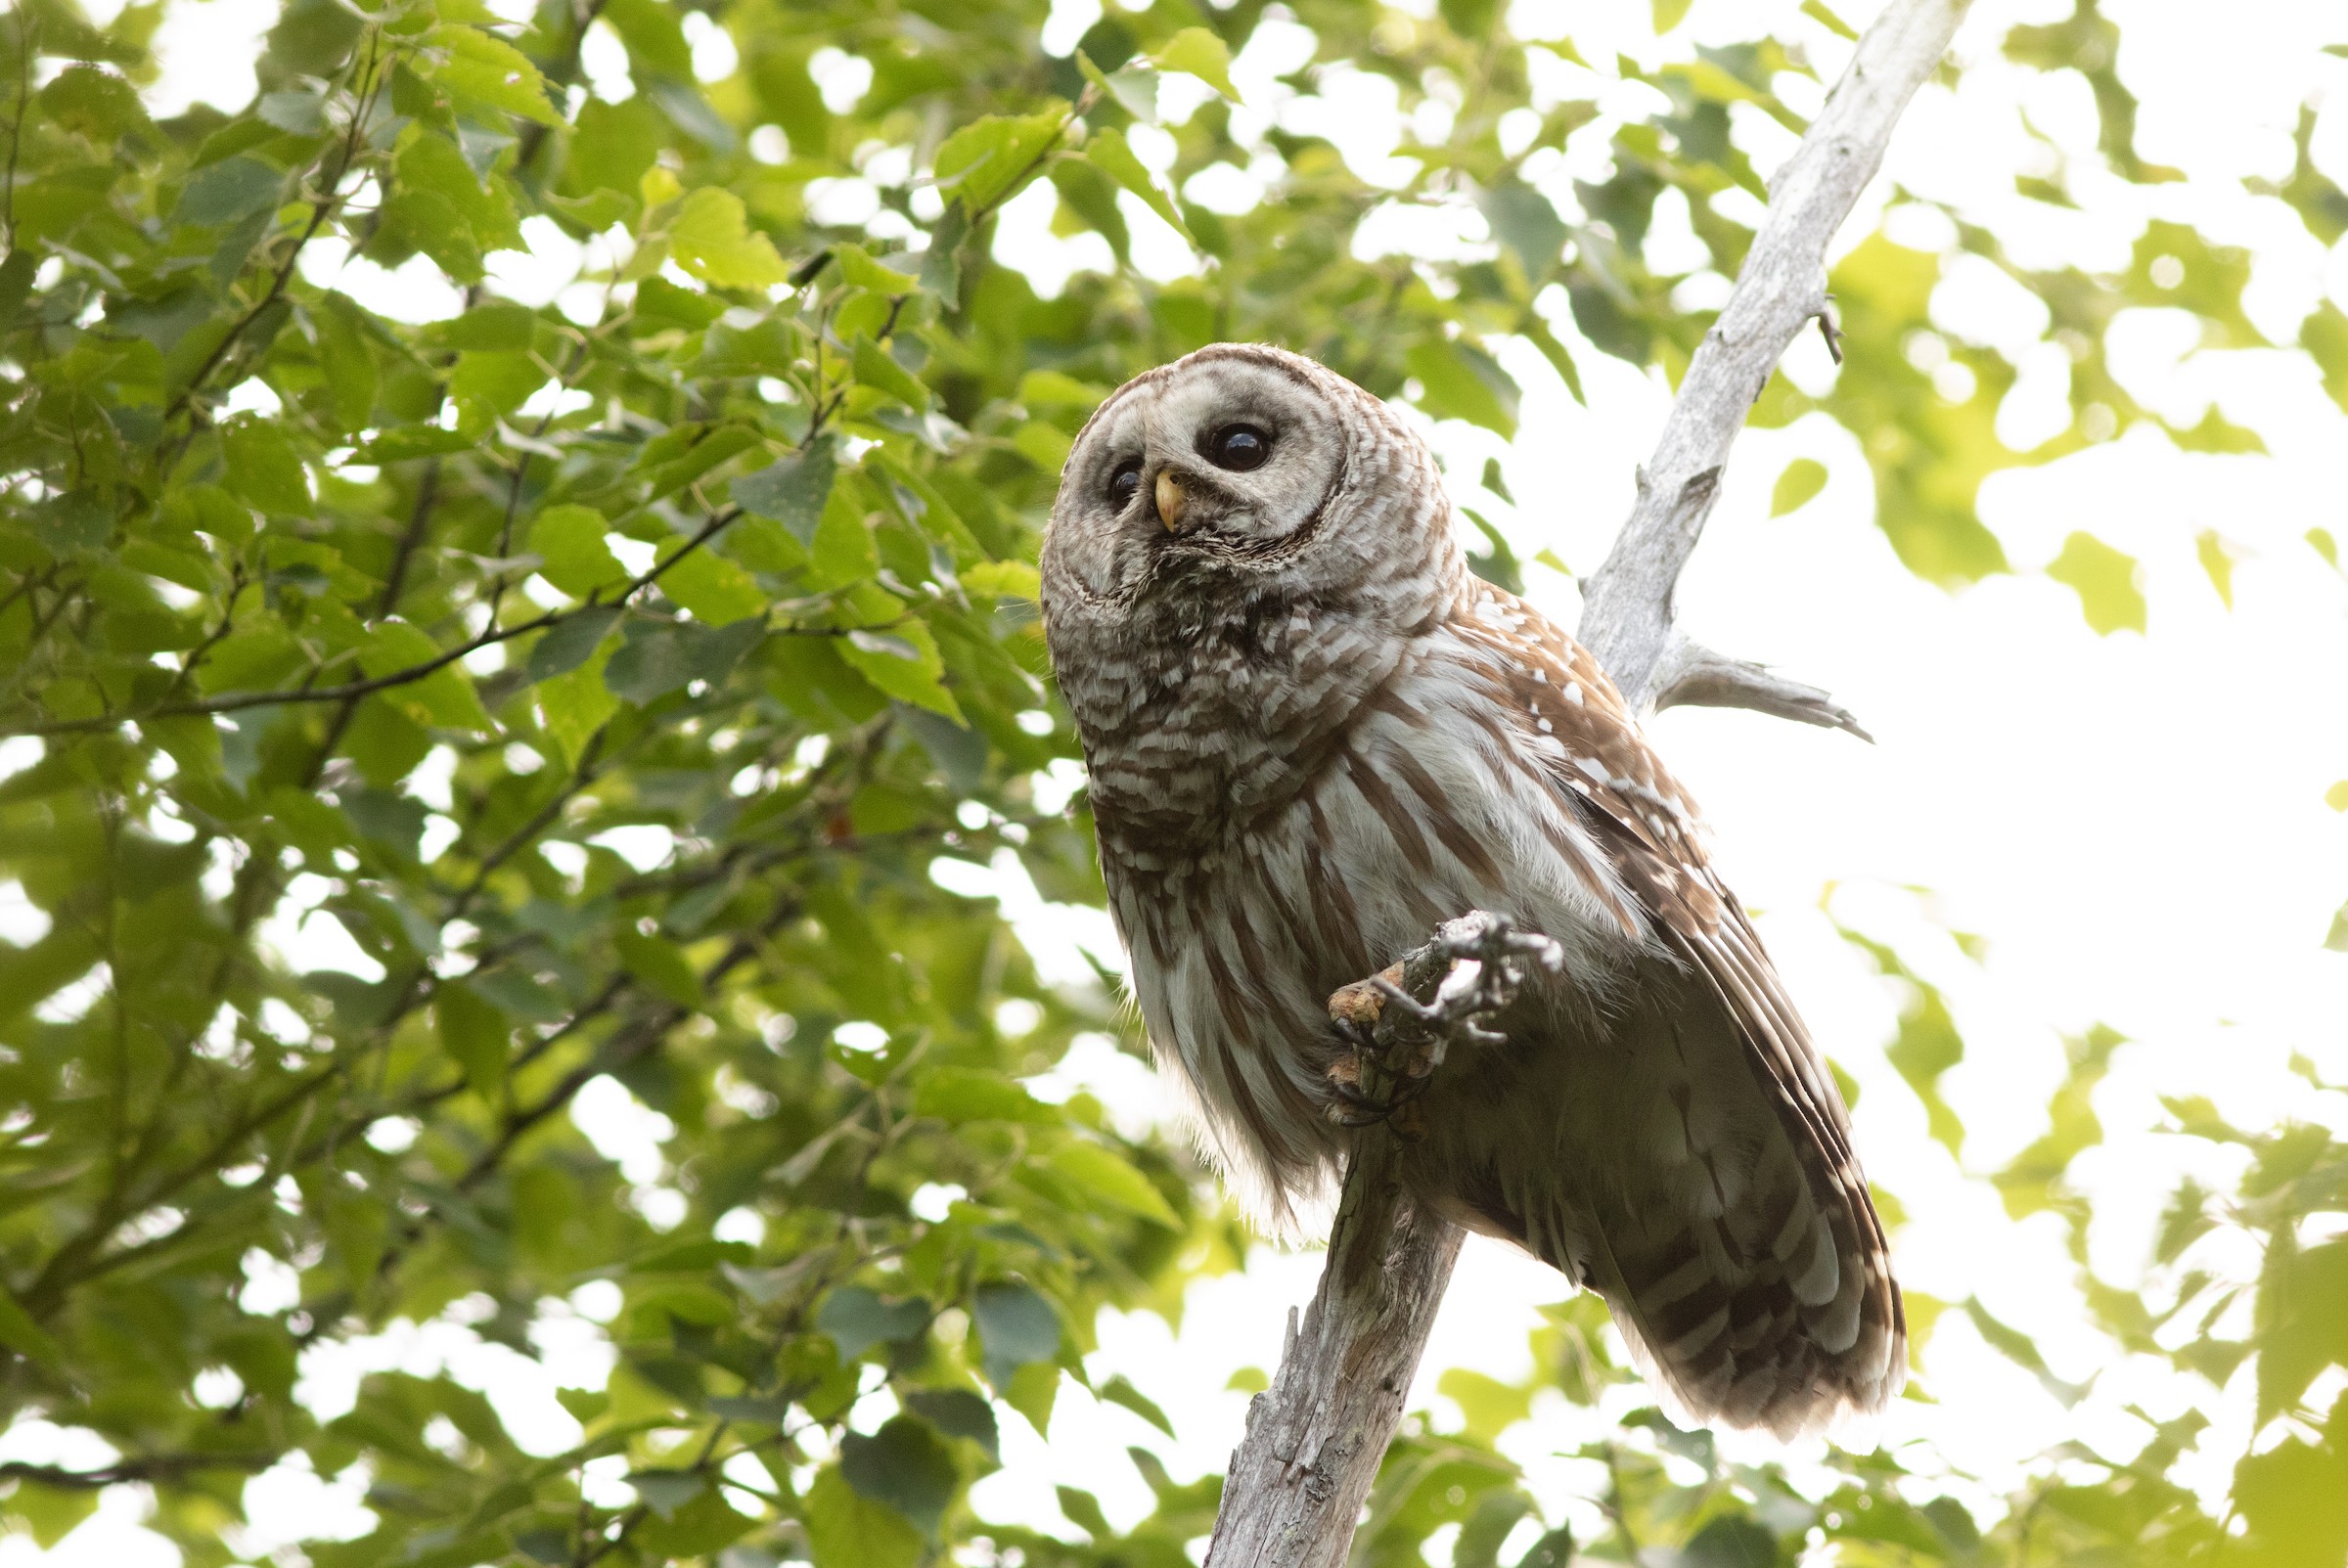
(1313,736)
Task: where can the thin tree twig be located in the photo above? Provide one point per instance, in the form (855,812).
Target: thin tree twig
(1314,1438)
(16,132)
(240,700)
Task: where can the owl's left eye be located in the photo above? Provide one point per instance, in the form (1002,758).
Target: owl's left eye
(1124,482)
(1238,448)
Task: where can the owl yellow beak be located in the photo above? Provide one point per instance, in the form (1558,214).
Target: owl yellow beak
(1170,501)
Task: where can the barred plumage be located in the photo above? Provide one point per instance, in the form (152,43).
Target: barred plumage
(1313,736)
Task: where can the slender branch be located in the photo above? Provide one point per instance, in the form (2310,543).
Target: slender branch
(349,689)
(559,74)
(16,130)
(411,538)
(1627,608)
(1691,675)
(369,81)
(141,1467)
(1314,1438)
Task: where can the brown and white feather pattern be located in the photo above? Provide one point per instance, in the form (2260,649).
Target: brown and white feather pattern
(1313,736)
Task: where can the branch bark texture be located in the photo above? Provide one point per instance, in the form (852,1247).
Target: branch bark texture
(1314,1438)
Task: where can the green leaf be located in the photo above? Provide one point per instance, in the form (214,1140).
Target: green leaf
(488,385)
(2325,337)
(989,158)
(2217,556)
(857,1319)
(1730,1540)
(660,965)
(1132,89)
(475,1033)
(2037,1178)
(1100,1174)
(793,491)
(95,104)
(1083,1510)
(52,1512)
(613,145)
(1527,223)
(958,1412)
(482,68)
(1202,55)
(1003,579)
(960,1095)
(1015,1326)
(20,1333)
(717,592)
(1927,1043)
(575,705)
(569,642)
(1818,10)
(445,697)
(1119,1390)
(1553,1550)
(2017,1347)
(1110,153)
(262,467)
(1802,480)
(847,1530)
(712,239)
(1032,1391)
(863,272)
(2106,581)
(1462,382)
(695,1528)
(906,1466)
(875,369)
(229,190)
(1491,1406)
(655,36)
(902,661)
(441,207)
(568,540)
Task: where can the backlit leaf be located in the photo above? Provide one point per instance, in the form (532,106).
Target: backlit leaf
(712,239)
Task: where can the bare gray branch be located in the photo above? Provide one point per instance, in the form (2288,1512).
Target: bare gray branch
(1627,605)
(1691,675)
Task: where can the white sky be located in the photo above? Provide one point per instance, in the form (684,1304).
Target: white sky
(2136,824)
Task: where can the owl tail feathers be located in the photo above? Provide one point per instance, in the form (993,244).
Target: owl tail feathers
(1750,1343)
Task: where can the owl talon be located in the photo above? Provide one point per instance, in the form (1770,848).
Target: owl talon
(1369,1083)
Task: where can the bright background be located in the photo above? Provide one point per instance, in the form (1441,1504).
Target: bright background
(2135,825)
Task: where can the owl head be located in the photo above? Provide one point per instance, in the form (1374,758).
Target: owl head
(1238,471)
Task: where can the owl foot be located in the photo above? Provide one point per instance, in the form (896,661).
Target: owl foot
(1393,1042)
(1373,1080)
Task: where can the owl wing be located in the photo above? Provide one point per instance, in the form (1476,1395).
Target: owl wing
(1751,1272)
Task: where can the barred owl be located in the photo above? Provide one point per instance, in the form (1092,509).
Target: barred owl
(1312,735)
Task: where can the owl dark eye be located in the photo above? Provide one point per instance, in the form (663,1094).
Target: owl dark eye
(1238,448)
(1124,482)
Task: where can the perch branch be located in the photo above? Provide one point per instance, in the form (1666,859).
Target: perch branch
(1314,1438)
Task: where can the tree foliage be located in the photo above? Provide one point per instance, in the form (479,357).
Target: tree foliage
(419,719)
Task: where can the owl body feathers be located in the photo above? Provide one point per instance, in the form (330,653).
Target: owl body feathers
(1313,736)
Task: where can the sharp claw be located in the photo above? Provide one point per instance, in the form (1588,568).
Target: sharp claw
(1391,1059)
